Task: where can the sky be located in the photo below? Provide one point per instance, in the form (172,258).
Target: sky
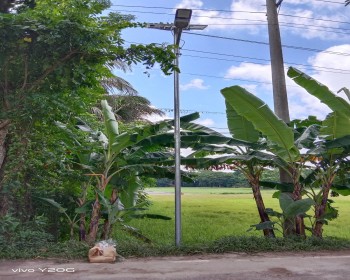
(315,35)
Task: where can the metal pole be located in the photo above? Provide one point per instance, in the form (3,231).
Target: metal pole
(177,35)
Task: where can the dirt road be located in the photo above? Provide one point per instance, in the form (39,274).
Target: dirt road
(291,266)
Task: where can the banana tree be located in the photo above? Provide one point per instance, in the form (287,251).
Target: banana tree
(244,152)
(332,148)
(280,141)
(119,158)
(123,157)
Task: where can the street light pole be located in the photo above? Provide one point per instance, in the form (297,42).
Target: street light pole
(182,22)
(177,139)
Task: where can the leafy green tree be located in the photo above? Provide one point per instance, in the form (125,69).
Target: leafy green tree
(15,5)
(53,59)
(129,108)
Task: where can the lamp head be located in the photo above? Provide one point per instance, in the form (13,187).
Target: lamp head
(182,18)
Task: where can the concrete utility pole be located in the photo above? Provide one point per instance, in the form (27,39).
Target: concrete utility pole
(280,98)
(277,66)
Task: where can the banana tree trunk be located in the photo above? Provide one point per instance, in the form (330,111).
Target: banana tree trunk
(261,206)
(94,222)
(82,217)
(299,220)
(320,210)
(107,224)
(82,224)
(4,127)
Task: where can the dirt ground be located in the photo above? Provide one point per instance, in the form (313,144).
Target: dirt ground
(291,266)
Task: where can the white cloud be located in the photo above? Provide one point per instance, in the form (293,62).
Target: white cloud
(303,19)
(190,4)
(333,78)
(301,103)
(194,84)
(250,71)
(324,66)
(157,118)
(237,19)
(205,122)
(314,19)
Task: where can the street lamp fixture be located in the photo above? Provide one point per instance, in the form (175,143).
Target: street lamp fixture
(181,22)
(182,18)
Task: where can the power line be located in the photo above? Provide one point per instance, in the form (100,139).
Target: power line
(332,2)
(246,19)
(319,68)
(322,28)
(266,43)
(206,10)
(200,16)
(248,12)
(185,111)
(267,60)
(225,54)
(227,78)
(295,25)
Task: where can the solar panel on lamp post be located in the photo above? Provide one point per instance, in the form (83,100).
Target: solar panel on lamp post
(182,22)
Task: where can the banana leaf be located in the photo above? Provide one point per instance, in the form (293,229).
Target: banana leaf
(260,115)
(308,137)
(335,126)
(293,208)
(343,190)
(326,96)
(125,140)
(239,126)
(195,128)
(341,142)
(128,194)
(254,157)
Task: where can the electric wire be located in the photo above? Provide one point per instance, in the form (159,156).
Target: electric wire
(263,22)
(331,2)
(266,60)
(194,9)
(266,43)
(248,12)
(191,111)
(319,68)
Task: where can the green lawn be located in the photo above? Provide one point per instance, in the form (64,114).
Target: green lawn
(212,213)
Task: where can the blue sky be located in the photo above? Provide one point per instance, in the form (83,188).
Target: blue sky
(209,64)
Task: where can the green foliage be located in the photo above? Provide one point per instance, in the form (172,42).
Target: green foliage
(291,208)
(53,61)
(215,223)
(30,235)
(207,178)
(259,114)
(239,126)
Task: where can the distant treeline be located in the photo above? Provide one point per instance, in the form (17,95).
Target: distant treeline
(208,178)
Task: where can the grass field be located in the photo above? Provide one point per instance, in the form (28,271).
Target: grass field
(212,213)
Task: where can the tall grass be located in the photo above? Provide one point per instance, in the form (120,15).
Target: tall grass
(209,214)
